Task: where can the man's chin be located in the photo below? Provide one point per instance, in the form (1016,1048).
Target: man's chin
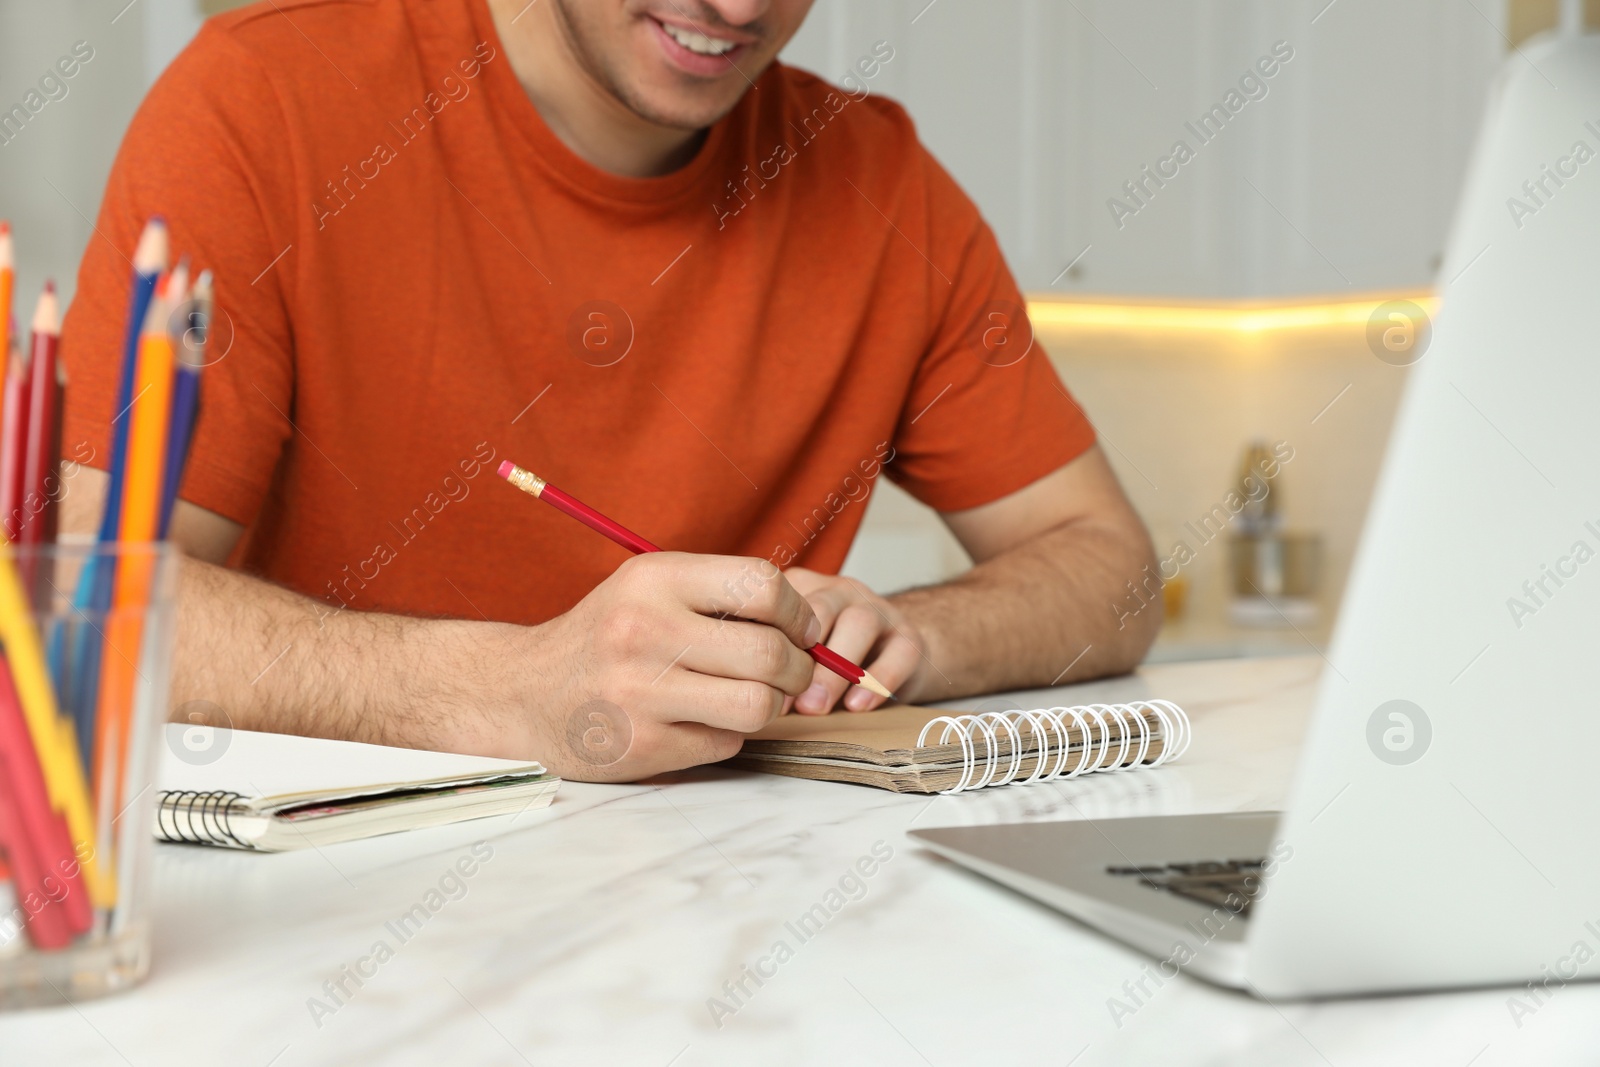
(681,110)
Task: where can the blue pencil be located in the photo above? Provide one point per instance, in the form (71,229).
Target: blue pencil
(80,682)
(185,397)
(149,261)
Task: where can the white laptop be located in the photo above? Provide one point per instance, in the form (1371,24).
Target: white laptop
(1441,827)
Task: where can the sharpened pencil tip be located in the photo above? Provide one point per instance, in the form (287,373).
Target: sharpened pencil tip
(150,257)
(47,312)
(869,682)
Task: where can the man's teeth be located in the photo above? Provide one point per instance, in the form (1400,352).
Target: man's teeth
(699,42)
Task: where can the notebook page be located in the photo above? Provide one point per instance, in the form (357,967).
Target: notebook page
(273,769)
(890,729)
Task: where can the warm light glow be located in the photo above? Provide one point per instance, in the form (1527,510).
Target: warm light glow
(1054,313)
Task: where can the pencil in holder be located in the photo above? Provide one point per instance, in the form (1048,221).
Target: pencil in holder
(83,696)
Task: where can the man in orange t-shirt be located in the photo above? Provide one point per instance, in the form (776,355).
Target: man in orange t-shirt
(615,241)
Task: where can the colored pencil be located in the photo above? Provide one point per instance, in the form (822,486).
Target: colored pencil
(42,394)
(536,486)
(13,435)
(59,797)
(81,684)
(52,735)
(8,282)
(149,263)
(149,421)
(8,278)
(42,389)
(46,926)
(11,396)
(36,837)
(51,516)
(191,351)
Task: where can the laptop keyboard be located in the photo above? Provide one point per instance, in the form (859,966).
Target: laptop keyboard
(1230,884)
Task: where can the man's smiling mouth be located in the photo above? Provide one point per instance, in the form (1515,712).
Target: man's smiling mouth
(697,42)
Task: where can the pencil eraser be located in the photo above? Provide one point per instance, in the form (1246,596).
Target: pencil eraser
(506,467)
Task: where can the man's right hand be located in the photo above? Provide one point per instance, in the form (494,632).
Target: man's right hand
(666,664)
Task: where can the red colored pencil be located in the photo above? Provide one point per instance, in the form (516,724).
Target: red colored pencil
(34,835)
(51,519)
(13,435)
(47,926)
(534,485)
(27,527)
(33,522)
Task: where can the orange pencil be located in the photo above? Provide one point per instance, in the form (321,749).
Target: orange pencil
(8,281)
(141,507)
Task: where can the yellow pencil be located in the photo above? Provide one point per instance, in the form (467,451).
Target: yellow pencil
(53,736)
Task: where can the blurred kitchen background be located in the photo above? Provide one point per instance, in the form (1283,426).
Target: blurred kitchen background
(1231,305)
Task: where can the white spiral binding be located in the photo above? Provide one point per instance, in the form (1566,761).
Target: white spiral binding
(1051,731)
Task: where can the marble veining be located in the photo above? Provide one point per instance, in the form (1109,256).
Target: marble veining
(665,924)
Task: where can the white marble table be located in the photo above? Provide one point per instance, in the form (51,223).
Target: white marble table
(600,930)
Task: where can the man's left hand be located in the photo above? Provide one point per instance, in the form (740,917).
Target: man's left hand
(862,627)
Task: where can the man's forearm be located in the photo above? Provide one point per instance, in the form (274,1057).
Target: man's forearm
(1049,611)
(636,679)
(275,660)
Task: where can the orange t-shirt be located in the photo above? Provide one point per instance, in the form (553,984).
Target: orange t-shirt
(417,279)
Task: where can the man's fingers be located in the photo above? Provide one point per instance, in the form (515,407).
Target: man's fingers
(894,665)
(854,634)
(750,589)
(826,603)
(723,703)
(698,743)
(752,651)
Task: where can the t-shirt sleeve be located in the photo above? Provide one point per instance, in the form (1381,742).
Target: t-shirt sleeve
(986,414)
(206,151)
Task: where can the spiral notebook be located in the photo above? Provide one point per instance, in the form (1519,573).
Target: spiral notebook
(276,792)
(921,750)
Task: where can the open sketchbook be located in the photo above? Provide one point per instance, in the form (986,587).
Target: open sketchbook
(921,750)
(275,792)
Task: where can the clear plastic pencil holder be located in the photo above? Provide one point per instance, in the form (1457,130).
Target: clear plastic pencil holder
(103,617)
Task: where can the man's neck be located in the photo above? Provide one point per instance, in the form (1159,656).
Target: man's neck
(577,108)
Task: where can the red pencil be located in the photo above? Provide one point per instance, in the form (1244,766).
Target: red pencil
(13,436)
(31,523)
(46,923)
(34,835)
(40,397)
(534,485)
